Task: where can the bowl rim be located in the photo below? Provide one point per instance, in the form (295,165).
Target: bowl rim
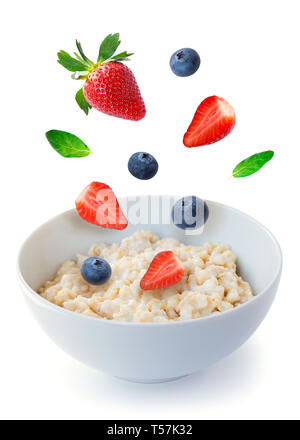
(43,302)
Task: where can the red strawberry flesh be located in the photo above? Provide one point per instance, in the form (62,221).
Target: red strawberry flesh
(111,88)
(166,270)
(213,120)
(97,204)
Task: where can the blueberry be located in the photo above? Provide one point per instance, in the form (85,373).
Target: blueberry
(143,166)
(96,271)
(190,213)
(185,62)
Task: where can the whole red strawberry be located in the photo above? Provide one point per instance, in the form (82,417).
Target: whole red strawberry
(110,85)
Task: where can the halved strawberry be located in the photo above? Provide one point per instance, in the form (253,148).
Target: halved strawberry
(213,120)
(164,271)
(97,204)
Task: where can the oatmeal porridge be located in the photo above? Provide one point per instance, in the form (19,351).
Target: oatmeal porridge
(210,284)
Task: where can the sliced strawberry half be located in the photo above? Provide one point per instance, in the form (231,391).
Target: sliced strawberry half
(165,270)
(97,204)
(213,120)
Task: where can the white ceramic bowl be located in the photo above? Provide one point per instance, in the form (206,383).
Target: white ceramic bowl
(151,352)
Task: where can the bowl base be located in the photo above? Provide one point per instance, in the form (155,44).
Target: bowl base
(151,381)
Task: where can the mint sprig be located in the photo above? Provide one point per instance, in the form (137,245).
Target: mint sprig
(67,144)
(252,164)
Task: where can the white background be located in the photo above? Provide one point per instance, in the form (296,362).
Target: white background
(250,56)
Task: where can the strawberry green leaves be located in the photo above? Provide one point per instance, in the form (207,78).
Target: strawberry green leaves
(123,56)
(252,164)
(83,57)
(108,47)
(81,101)
(67,144)
(70,63)
(78,64)
(81,63)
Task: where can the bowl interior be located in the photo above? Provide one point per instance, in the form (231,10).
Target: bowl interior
(259,257)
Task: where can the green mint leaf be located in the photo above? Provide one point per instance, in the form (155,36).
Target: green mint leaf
(108,47)
(81,101)
(123,56)
(71,63)
(252,164)
(67,144)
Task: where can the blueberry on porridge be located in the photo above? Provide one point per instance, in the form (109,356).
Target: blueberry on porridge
(96,271)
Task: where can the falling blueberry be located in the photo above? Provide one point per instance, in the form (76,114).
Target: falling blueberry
(96,271)
(190,213)
(185,62)
(143,166)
